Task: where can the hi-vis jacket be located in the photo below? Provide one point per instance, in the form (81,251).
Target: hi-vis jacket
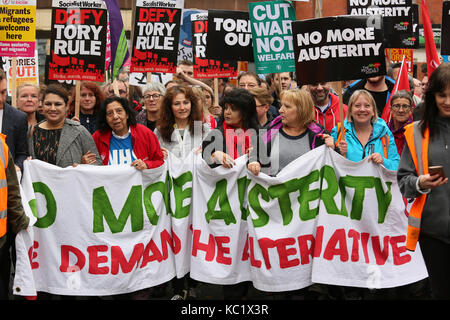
(10,200)
(3,185)
(418,147)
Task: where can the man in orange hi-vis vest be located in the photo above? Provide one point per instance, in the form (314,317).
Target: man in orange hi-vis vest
(11,209)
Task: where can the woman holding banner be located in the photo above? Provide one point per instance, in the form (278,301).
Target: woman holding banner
(180,129)
(58,140)
(153,94)
(28,102)
(364,134)
(236,132)
(91,98)
(235,135)
(291,134)
(121,140)
(427,145)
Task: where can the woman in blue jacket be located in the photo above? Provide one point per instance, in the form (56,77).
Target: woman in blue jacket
(365,134)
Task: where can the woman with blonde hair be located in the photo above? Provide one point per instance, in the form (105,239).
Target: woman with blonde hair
(28,102)
(365,135)
(292,134)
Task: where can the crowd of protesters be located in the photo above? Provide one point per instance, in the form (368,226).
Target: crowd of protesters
(120,125)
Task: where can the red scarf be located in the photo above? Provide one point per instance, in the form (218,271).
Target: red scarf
(233,141)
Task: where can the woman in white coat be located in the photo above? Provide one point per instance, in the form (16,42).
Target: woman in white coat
(179,128)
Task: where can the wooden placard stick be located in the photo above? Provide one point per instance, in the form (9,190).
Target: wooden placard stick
(115,88)
(216,91)
(341,106)
(13,81)
(77,98)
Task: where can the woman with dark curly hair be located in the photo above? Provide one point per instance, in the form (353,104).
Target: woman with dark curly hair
(179,128)
(91,98)
(236,133)
(121,140)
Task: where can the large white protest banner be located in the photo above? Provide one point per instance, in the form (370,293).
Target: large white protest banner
(95,234)
(325,219)
(110,230)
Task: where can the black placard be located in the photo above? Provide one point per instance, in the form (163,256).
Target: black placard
(337,48)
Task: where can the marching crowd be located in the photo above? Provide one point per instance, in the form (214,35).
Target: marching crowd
(119,124)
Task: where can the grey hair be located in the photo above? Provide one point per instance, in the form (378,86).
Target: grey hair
(154,86)
(402,94)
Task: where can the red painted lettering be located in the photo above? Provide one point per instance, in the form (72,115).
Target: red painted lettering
(151,253)
(364,241)
(380,256)
(284,253)
(118,259)
(355,246)
(396,250)
(253,261)
(221,250)
(265,244)
(95,259)
(65,253)
(32,254)
(331,250)
(174,243)
(209,248)
(305,250)
(318,242)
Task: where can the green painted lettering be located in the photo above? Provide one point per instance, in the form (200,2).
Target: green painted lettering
(384,199)
(281,192)
(49,218)
(103,209)
(242,184)
(253,201)
(180,195)
(220,197)
(359,184)
(306,196)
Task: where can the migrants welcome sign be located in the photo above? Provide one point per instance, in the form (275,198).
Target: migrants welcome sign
(17,28)
(155,36)
(337,48)
(204,67)
(78,40)
(273,49)
(322,219)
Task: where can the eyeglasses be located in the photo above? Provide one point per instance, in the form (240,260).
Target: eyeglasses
(154,96)
(403,106)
